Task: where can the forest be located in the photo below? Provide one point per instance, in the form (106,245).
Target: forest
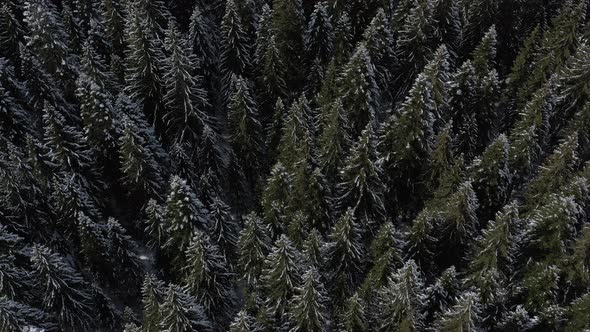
(294,165)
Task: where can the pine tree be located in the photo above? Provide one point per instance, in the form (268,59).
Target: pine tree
(354,316)
(298,131)
(207,277)
(11,35)
(155,14)
(343,39)
(243,322)
(65,143)
(319,35)
(272,76)
(46,36)
(360,95)
(184,214)
(62,288)
(379,41)
(312,249)
(143,76)
(440,295)
(244,125)
(406,142)
(16,316)
(182,313)
(275,199)
(288,22)
(308,312)
(223,229)
(334,139)
(152,292)
(235,51)
(114,23)
(492,178)
(463,316)
(253,246)
(577,317)
(281,273)
(401,301)
(201,38)
(344,257)
(185,100)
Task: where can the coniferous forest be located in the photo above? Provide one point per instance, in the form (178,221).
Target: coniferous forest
(294,165)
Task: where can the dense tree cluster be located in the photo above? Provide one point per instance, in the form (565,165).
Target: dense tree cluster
(294,165)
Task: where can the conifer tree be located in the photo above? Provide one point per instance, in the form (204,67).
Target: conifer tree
(463,316)
(244,125)
(307,311)
(288,24)
(243,322)
(298,131)
(354,316)
(343,39)
(401,301)
(114,25)
(281,273)
(491,177)
(46,36)
(379,41)
(319,35)
(152,292)
(16,316)
(275,199)
(63,289)
(360,95)
(361,188)
(406,142)
(204,45)
(11,35)
(272,75)
(440,295)
(253,245)
(143,59)
(185,100)
(334,139)
(184,214)
(344,255)
(182,312)
(235,51)
(207,276)
(577,312)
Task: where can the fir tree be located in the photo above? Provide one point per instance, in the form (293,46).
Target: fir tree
(463,316)
(308,307)
(281,273)
(288,24)
(185,101)
(344,255)
(12,33)
(354,316)
(184,214)
(360,95)
(319,35)
(243,322)
(62,288)
(401,300)
(182,313)
(152,292)
(361,188)
(334,139)
(235,54)
(253,246)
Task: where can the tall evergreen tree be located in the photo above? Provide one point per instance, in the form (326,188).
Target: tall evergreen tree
(308,308)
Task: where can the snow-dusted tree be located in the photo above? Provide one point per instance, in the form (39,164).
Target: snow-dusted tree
(379,40)
(16,316)
(281,273)
(401,301)
(308,307)
(46,36)
(275,199)
(492,178)
(344,257)
(181,312)
(361,187)
(64,291)
(184,214)
(360,95)
(201,38)
(334,140)
(319,35)
(152,295)
(11,33)
(385,253)
(297,135)
(578,319)
(243,322)
(406,143)
(354,315)
(244,126)
(185,100)
(272,72)
(253,245)
(440,295)
(207,276)
(288,22)
(65,143)
(143,76)
(235,48)
(343,40)
(114,23)
(463,316)
(154,12)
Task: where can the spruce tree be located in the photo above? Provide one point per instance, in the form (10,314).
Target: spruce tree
(152,293)
(354,316)
(319,35)
(360,186)
(307,311)
(235,51)
(182,312)
(207,277)
(12,33)
(62,288)
(253,245)
(185,100)
(401,301)
(344,254)
(334,139)
(288,24)
(281,273)
(463,316)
